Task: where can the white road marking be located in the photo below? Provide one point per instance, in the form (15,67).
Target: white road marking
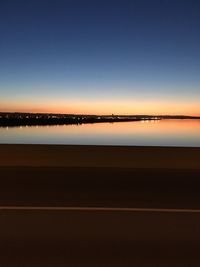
(93,209)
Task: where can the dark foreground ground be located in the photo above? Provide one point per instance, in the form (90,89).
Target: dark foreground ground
(59,238)
(99,187)
(67,206)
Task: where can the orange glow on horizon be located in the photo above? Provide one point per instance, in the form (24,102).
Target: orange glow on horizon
(105,107)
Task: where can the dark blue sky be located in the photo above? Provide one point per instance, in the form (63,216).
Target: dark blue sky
(100,56)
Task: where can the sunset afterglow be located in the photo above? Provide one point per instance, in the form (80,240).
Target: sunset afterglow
(100,57)
(105,107)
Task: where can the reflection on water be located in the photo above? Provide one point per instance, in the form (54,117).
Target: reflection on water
(141,133)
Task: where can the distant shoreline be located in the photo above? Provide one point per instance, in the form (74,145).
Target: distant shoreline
(8,119)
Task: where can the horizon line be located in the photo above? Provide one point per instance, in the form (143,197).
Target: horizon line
(112,114)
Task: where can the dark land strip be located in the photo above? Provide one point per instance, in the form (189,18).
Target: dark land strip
(32,119)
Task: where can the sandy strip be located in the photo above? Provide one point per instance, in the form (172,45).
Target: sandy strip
(100,156)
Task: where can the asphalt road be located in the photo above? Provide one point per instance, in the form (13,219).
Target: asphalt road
(99,217)
(99,238)
(99,187)
(137,207)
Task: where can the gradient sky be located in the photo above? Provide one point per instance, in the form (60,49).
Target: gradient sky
(103,56)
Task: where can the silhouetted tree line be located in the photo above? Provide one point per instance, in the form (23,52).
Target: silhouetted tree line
(58,121)
(28,119)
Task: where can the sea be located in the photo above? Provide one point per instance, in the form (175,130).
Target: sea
(173,132)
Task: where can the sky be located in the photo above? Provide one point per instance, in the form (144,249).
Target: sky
(100,56)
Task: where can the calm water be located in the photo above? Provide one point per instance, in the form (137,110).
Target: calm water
(151,133)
